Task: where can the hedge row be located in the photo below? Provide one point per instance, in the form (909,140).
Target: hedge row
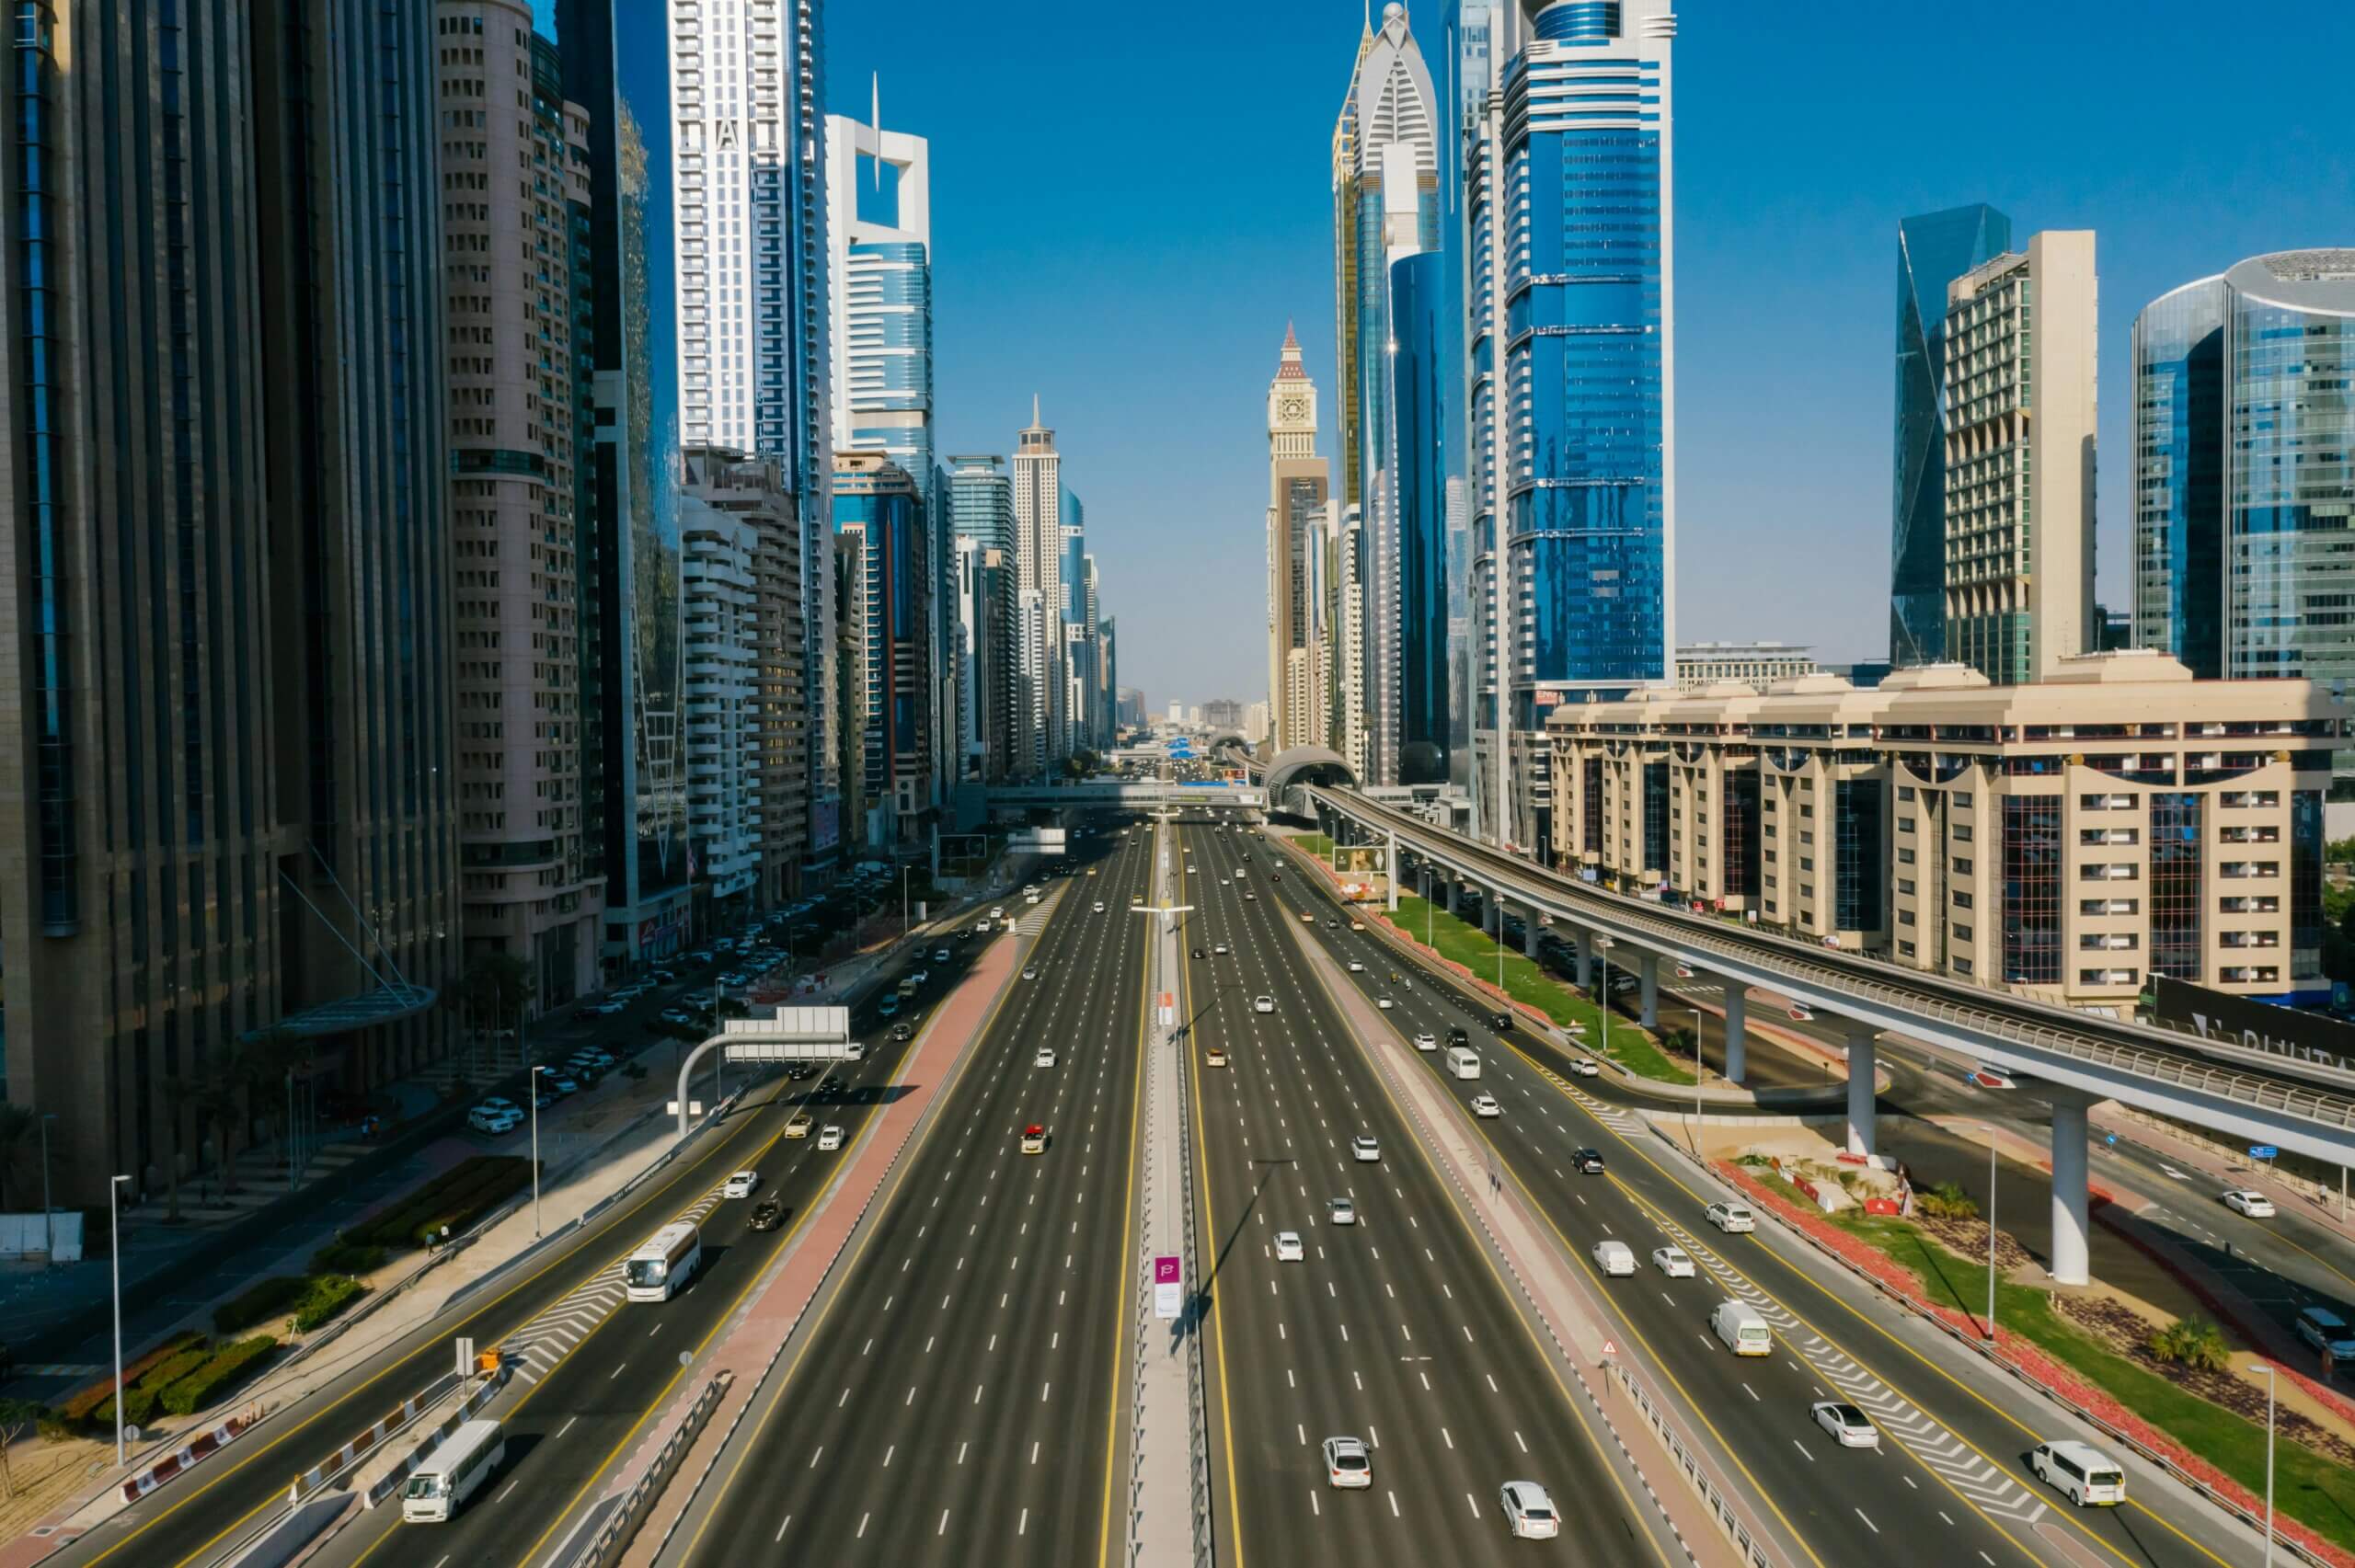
(227,1367)
(455,1191)
(264,1299)
(328,1295)
(81,1405)
(461,1211)
(347,1257)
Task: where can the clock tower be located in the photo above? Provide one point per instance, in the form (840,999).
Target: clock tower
(1297,486)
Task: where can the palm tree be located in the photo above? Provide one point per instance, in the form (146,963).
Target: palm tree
(2194,1342)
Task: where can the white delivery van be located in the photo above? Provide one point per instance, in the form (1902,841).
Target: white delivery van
(1614,1258)
(453,1472)
(1463,1062)
(2079,1471)
(1744,1331)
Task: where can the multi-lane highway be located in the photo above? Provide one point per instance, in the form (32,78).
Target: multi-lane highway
(956,1402)
(1948,1484)
(589,1367)
(1394,1330)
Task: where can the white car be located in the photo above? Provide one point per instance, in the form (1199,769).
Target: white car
(1220,949)
(1029,971)
(1584,1068)
(1384,1003)
(1356,967)
(740,1184)
(830,1137)
(1289,1248)
(1529,1511)
(1347,1464)
(677,1015)
(1356,926)
(2248,1201)
(1341,1211)
(1673,1262)
(1850,1426)
(1263,1004)
(1733,1218)
(1364,1150)
(1099,907)
(1485,1104)
(498,1124)
(1046,1056)
(1426,1041)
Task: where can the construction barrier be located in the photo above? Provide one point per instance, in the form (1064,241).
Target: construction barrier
(194,1452)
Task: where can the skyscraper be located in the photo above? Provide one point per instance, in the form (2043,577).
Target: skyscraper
(2020,459)
(227,712)
(1426,407)
(517,526)
(750,279)
(1387,194)
(720,604)
(2243,427)
(892,714)
(990,693)
(1038,549)
(1298,487)
(1570,202)
(1933,250)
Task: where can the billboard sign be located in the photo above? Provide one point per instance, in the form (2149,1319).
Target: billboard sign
(1168,1285)
(2254,1025)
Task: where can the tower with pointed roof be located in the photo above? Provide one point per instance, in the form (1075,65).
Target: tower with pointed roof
(1298,485)
(1038,551)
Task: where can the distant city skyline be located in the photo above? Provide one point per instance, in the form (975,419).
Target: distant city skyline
(1784,457)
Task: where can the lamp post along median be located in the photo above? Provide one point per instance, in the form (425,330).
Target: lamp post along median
(2267,1368)
(114,1260)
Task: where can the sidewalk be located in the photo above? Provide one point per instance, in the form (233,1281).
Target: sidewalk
(750,1346)
(1535,1261)
(619,1136)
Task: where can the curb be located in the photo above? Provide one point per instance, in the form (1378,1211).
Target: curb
(187,1457)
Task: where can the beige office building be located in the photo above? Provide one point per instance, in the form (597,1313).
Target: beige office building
(2020,335)
(1298,484)
(2066,838)
(1757,664)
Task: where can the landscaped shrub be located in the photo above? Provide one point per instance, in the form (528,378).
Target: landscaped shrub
(172,1368)
(81,1405)
(222,1371)
(347,1257)
(463,1210)
(1946,1201)
(328,1295)
(404,1224)
(138,1405)
(264,1301)
(2194,1342)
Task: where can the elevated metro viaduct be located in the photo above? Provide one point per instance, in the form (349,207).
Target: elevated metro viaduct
(2069,1059)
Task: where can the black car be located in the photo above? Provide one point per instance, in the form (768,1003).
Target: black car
(1501,1022)
(902,1032)
(1587,1161)
(767,1215)
(831,1084)
(1197,952)
(1458,1037)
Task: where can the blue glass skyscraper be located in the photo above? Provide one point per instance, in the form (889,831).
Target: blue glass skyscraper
(2179,474)
(1427,391)
(1933,250)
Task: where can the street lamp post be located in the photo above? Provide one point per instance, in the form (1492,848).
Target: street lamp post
(1602,946)
(1700,1075)
(1991,1234)
(114,1258)
(537,1072)
(2267,1366)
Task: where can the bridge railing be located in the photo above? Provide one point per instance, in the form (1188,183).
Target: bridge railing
(2018,1024)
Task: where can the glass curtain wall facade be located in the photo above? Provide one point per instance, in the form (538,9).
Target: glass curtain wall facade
(1933,250)
(2176,856)
(2032,890)
(2289,481)
(2178,351)
(1859,883)
(1427,403)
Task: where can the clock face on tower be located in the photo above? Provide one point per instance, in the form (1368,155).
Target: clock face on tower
(1293,409)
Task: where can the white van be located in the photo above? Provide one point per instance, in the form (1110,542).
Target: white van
(1744,1331)
(2079,1471)
(1463,1062)
(1614,1258)
(454,1473)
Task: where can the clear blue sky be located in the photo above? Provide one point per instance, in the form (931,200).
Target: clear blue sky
(1130,202)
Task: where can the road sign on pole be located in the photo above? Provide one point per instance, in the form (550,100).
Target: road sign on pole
(1168,1285)
(2263,1151)
(465,1358)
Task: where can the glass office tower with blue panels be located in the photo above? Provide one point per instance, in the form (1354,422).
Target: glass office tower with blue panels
(1427,390)
(2178,475)
(1933,250)
(1586,451)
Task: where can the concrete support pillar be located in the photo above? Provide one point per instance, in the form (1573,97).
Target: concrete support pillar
(1391,879)
(1453,888)
(1737,1029)
(1529,929)
(1648,967)
(2071,1258)
(1492,915)
(1861,1077)
(1585,939)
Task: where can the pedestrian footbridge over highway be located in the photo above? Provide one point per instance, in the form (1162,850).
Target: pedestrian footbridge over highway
(2069,1058)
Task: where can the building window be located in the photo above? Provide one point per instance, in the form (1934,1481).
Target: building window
(1861,887)
(1963,933)
(1906,950)
(1738,835)
(2305,885)
(1655,816)
(2175,896)
(1962,866)
(2032,890)
(1593,811)
(1961,899)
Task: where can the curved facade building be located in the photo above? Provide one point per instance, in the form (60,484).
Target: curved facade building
(2288,354)
(2178,475)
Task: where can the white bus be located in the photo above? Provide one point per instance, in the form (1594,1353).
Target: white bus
(667,1260)
(454,1473)
(1463,1062)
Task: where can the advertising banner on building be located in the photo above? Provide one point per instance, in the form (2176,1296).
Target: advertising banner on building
(2252,1026)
